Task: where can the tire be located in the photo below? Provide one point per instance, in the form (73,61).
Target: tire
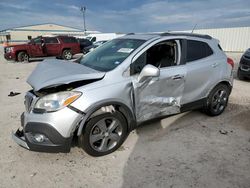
(99,138)
(217,100)
(22,57)
(239,75)
(67,54)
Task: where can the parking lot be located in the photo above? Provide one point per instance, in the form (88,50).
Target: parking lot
(185,150)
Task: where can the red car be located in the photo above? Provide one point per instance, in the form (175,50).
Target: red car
(61,46)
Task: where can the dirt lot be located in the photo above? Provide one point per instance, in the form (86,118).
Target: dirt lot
(185,150)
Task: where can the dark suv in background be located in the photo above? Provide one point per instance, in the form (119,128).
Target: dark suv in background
(60,46)
(244,66)
(84,43)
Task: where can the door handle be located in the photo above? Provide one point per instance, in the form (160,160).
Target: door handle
(215,65)
(177,77)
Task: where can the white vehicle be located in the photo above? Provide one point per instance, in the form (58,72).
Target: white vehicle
(103,36)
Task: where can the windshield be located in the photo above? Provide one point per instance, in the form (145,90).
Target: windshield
(109,55)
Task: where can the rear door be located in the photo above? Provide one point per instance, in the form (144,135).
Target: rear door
(159,96)
(52,46)
(203,68)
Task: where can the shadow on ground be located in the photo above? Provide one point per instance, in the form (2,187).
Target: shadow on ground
(188,150)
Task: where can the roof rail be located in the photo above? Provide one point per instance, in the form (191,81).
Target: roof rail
(186,34)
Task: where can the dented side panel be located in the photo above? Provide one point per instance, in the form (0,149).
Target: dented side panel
(159,96)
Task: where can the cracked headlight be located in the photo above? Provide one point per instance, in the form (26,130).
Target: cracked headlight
(57,101)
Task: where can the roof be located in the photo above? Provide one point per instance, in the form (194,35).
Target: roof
(148,36)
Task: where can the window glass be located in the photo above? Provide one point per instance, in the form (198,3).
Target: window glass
(69,40)
(50,40)
(197,50)
(163,54)
(109,55)
(37,40)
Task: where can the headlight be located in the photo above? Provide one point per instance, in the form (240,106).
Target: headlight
(57,101)
(9,49)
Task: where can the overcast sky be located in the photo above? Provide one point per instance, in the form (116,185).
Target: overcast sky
(127,15)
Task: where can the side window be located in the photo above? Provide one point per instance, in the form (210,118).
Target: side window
(197,50)
(163,54)
(69,40)
(50,40)
(37,40)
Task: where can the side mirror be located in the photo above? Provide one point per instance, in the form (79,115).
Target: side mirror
(148,71)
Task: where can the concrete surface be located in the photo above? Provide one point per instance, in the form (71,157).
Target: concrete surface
(186,150)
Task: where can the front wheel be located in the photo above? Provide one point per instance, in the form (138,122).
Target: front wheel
(217,100)
(67,54)
(22,57)
(104,134)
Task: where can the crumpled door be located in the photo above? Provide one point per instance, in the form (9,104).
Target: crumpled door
(159,96)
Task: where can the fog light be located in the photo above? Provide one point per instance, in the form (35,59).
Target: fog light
(39,137)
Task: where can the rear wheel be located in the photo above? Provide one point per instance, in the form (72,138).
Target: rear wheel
(217,100)
(22,57)
(104,134)
(67,54)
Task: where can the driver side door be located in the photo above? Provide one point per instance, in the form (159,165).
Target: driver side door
(36,48)
(162,95)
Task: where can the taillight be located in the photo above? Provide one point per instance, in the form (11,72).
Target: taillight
(230,62)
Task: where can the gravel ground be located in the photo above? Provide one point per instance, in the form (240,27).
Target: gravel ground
(185,150)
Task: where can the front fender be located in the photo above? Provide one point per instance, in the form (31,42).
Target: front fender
(105,106)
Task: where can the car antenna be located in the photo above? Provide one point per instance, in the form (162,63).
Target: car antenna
(194,28)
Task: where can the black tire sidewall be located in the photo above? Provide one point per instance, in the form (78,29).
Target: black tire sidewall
(83,139)
(208,106)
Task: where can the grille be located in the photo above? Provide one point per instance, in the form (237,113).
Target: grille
(29,98)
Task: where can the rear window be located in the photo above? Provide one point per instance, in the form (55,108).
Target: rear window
(197,50)
(50,40)
(69,40)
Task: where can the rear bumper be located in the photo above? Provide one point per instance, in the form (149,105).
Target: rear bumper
(53,142)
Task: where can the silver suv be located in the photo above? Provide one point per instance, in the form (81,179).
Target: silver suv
(121,84)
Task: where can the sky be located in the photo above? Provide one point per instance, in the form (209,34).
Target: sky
(127,15)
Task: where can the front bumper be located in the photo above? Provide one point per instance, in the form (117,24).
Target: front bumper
(10,56)
(244,72)
(53,142)
(244,67)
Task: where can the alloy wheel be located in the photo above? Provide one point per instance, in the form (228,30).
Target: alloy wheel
(219,100)
(105,134)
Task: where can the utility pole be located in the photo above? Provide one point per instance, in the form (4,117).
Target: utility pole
(83,10)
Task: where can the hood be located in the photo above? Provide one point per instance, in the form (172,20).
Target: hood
(51,73)
(17,45)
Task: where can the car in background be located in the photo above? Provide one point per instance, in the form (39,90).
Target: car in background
(93,46)
(244,66)
(84,43)
(60,46)
(118,86)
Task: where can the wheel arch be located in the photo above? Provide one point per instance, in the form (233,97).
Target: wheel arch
(18,51)
(65,48)
(108,106)
(222,82)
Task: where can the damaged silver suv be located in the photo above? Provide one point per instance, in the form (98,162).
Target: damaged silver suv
(121,84)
